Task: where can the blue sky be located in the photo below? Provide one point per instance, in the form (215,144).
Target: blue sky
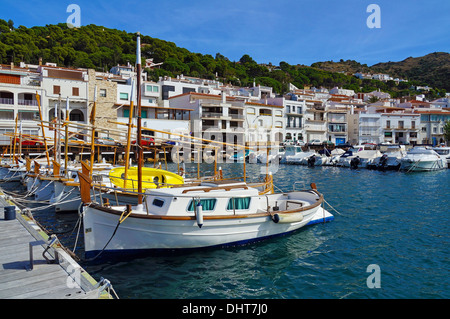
(294,31)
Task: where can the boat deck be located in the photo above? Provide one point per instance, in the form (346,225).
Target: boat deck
(24,271)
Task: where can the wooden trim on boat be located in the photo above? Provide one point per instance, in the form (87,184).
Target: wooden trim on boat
(207,217)
(55,178)
(208,189)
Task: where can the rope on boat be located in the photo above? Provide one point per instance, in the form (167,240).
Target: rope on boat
(331,207)
(121,219)
(106,284)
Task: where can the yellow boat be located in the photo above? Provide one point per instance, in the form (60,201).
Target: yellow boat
(151,178)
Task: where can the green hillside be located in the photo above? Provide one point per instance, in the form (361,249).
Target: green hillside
(101,48)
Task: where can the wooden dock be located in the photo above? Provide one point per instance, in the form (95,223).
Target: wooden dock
(29,268)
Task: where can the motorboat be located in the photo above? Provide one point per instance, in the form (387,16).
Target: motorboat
(390,160)
(296,155)
(362,159)
(421,158)
(345,159)
(443,151)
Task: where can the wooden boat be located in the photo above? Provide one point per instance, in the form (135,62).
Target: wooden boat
(151,178)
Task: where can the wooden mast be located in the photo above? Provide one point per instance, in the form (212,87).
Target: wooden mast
(93,132)
(66,137)
(42,126)
(130,125)
(140,153)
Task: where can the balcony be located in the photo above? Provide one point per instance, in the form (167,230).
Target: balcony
(212,115)
(337,129)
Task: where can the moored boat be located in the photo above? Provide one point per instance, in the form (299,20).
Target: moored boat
(422,158)
(213,214)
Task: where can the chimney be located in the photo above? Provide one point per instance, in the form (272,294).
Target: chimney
(12,65)
(40,61)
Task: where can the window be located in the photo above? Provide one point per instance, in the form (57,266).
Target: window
(75,91)
(207,204)
(103,92)
(56,89)
(388,124)
(239,203)
(124,96)
(152,88)
(158,202)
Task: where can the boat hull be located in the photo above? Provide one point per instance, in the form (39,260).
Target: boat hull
(422,165)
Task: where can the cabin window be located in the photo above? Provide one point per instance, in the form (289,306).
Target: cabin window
(207,204)
(158,202)
(239,203)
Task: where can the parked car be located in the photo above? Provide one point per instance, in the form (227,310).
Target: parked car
(145,141)
(107,141)
(314,142)
(28,140)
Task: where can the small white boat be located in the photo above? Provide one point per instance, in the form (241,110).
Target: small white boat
(422,158)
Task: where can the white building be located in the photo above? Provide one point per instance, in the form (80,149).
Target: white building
(341,91)
(18,89)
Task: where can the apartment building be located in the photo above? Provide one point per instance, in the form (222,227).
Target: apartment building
(265,122)
(63,92)
(294,111)
(18,88)
(213,117)
(400,127)
(432,122)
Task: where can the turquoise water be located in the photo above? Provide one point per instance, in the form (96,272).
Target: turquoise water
(395,220)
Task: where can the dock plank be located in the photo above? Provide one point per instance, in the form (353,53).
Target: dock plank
(45,280)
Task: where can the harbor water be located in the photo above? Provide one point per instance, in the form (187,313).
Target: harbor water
(389,240)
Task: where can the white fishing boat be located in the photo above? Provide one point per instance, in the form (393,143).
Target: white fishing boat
(422,158)
(208,215)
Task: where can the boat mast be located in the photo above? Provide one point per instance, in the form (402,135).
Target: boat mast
(38,98)
(140,153)
(130,124)
(66,137)
(15,140)
(93,131)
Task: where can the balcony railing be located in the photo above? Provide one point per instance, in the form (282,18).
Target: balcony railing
(6,101)
(214,115)
(27,102)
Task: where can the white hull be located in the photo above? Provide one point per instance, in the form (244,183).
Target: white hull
(172,219)
(418,165)
(422,159)
(136,234)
